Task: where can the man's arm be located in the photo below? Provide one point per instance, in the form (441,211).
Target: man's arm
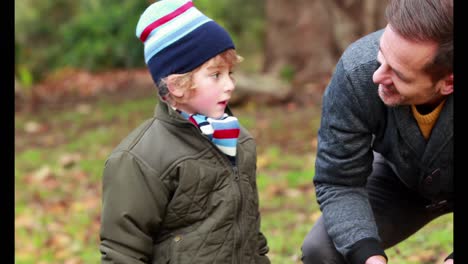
(344,161)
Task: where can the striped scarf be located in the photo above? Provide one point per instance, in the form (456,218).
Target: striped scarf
(223,131)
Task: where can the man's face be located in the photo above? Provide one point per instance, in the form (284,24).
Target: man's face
(400,76)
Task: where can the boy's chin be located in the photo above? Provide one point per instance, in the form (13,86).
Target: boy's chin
(216,115)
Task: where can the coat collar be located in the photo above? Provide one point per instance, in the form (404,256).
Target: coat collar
(165,112)
(442,132)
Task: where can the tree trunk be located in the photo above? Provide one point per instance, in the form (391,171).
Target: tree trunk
(308,36)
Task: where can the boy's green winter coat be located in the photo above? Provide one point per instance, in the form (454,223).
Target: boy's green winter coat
(170,196)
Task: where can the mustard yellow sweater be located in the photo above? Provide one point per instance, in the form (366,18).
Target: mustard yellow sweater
(427,121)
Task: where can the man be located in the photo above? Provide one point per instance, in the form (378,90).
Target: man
(384,164)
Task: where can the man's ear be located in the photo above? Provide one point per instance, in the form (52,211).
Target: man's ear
(173,88)
(447,87)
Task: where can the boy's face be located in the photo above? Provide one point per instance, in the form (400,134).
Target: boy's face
(214,85)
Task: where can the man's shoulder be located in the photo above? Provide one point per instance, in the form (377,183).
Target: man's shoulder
(363,51)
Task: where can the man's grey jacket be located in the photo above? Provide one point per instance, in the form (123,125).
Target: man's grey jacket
(355,123)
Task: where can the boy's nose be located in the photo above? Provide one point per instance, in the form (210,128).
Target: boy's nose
(229,85)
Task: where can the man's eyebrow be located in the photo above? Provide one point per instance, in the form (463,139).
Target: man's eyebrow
(397,72)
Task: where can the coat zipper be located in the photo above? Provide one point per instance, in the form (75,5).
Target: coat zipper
(239,214)
(235,170)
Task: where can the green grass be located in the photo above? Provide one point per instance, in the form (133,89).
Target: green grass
(430,245)
(57,208)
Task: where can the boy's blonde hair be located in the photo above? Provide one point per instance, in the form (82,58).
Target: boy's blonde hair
(185,80)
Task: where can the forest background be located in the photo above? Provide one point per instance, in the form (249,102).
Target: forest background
(81,85)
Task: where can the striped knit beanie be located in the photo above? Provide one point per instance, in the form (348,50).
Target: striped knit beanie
(178,38)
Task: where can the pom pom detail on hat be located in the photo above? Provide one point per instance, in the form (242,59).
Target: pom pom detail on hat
(178,38)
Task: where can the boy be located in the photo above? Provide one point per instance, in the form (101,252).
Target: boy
(181,188)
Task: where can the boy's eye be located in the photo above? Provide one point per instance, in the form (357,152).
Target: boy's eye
(216,75)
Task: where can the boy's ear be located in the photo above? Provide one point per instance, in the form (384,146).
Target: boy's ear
(173,88)
(448,85)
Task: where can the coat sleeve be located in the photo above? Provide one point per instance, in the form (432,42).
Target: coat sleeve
(344,160)
(263,249)
(133,204)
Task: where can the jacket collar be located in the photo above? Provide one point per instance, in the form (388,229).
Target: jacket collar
(441,134)
(164,112)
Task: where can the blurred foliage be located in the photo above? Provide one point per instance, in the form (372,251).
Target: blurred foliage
(100,35)
(287,72)
(84,34)
(245,20)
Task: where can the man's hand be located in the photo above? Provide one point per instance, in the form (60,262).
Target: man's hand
(448,261)
(377,259)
